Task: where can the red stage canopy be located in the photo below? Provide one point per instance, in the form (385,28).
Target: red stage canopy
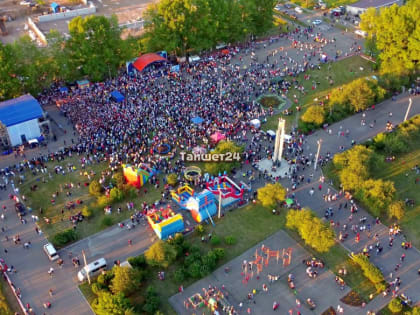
(147,59)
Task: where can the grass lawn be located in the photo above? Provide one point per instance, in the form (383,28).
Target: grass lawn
(41,198)
(340,72)
(8,302)
(401,173)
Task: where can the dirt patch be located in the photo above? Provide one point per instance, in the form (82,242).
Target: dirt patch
(352,298)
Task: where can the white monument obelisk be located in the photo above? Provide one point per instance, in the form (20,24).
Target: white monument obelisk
(278,146)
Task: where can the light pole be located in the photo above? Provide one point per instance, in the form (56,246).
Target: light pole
(317,153)
(408,108)
(220,204)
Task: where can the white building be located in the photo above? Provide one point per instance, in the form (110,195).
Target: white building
(363,5)
(19,116)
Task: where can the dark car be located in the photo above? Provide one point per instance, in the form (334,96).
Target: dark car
(20,209)
(288,6)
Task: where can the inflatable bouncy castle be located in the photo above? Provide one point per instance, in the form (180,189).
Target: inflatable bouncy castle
(228,190)
(202,205)
(165,222)
(137,177)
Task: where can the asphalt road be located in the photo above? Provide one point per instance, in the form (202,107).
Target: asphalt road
(32,264)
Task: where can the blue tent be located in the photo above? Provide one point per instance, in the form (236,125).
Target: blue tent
(197,120)
(64,89)
(55,7)
(117,96)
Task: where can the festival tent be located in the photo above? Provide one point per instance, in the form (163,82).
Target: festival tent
(217,136)
(117,96)
(82,84)
(271,133)
(197,120)
(147,59)
(64,89)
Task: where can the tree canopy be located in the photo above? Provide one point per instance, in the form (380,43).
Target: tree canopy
(184,26)
(270,194)
(396,31)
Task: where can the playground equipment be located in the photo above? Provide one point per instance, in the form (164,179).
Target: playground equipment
(202,205)
(165,222)
(262,258)
(225,190)
(137,177)
(192,173)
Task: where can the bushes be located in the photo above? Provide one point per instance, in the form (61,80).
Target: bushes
(215,240)
(230,240)
(160,254)
(116,195)
(396,210)
(63,238)
(87,212)
(95,189)
(313,231)
(395,306)
(370,271)
(138,262)
(172,179)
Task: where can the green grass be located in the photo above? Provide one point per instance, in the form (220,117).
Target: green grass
(341,72)
(87,292)
(401,173)
(8,302)
(41,198)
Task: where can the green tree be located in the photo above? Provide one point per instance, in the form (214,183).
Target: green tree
(224,147)
(95,48)
(396,210)
(160,254)
(95,189)
(396,31)
(370,271)
(126,280)
(10,85)
(271,194)
(315,114)
(395,306)
(361,95)
(313,231)
(119,180)
(109,304)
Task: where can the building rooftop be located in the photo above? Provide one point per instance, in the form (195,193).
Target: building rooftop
(20,109)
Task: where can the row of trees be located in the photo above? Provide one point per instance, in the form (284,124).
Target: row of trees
(355,168)
(183,26)
(370,271)
(395,32)
(311,229)
(95,49)
(343,101)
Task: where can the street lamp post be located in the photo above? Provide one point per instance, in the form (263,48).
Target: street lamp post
(408,108)
(317,153)
(84,259)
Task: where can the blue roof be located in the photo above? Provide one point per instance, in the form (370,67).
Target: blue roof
(20,109)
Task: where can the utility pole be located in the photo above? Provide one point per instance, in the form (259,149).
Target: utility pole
(317,153)
(408,108)
(87,272)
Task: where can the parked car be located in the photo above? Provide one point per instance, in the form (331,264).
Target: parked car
(299,10)
(316,22)
(288,6)
(20,209)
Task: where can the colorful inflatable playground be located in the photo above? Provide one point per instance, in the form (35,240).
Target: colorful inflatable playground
(137,177)
(165,222)
(225,189)
(201,205)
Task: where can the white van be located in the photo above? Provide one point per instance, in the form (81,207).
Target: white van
(193,59)
(51,252)
(299,10)
(92,269)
